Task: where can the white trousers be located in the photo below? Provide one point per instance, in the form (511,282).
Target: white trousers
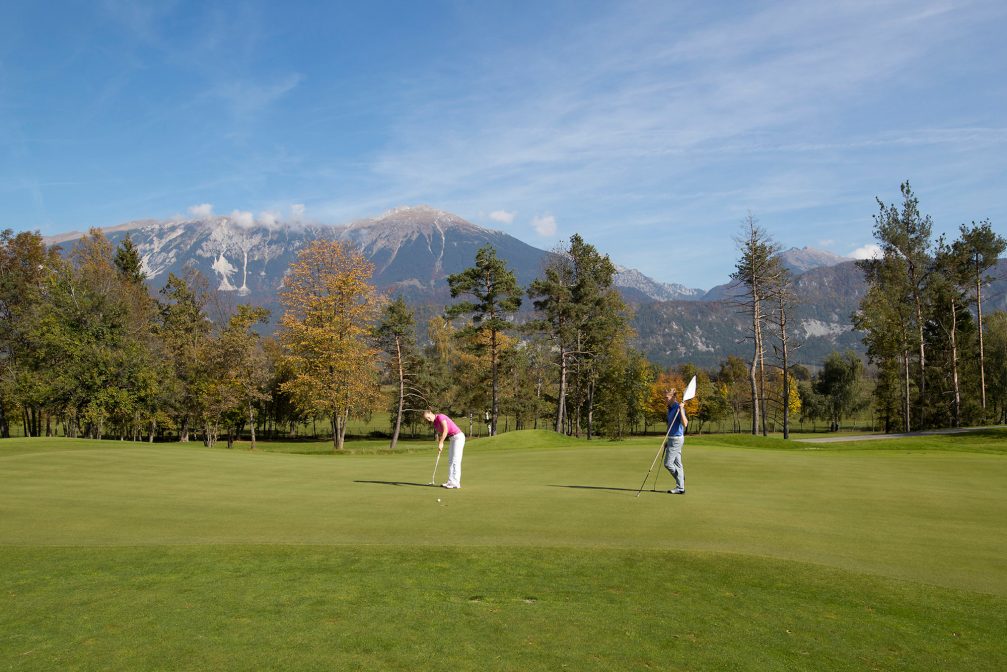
(456,445)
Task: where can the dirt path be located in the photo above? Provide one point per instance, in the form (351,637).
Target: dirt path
(880,437)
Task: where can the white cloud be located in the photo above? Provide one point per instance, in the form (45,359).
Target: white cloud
(544,226)
(243,219)
(868,251)
(297,212)
(201,211)
(828,242)
(502,216)
(268,219)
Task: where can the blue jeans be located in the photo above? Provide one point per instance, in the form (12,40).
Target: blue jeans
(673,459)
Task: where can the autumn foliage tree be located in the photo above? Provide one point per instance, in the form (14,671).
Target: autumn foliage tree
(329,310)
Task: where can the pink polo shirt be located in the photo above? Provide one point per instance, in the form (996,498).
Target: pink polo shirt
(441,421)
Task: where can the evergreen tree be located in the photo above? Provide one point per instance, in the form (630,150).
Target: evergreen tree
(129,262)
(583,315)
(904,237)
(496,296)
(949,321)
(979,247)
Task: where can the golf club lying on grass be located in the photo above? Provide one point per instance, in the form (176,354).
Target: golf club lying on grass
(433,478)
(690,392)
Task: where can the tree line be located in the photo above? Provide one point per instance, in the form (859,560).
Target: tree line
(940,360)
(88,351)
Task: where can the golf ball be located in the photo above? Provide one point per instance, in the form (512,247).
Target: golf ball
(438,499)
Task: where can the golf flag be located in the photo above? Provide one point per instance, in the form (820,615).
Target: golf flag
(690,390)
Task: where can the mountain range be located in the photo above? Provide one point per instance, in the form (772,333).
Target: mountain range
(414,249)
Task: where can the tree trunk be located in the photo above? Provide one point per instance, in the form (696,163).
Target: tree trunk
(561,400)
(251,423)
(402,393)
(954,364)
(786,373)
(762,383)
(982,356)
(757,351)
(493,367)
(339,433)
(923,362)
(905,359)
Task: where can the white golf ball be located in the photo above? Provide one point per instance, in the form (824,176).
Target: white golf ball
(438,499)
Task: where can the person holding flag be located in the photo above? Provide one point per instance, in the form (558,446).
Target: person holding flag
(677,422)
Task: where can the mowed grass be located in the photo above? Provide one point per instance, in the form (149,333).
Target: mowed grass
(886,555)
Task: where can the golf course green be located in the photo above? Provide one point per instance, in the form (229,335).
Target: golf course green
(875,555)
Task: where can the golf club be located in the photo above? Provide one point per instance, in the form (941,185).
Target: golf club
(690,392)
(433,478)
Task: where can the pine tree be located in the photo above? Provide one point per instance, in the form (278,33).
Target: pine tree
(129,263)
(980,248)
(904,237)
(496,296)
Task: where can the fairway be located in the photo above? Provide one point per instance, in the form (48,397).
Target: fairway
(883,555)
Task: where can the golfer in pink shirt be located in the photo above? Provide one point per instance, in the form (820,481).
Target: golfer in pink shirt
(445,428)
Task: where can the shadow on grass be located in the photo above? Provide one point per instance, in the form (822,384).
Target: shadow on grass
(601,487)
(416,485)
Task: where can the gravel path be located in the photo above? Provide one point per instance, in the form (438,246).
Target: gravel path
(879,437)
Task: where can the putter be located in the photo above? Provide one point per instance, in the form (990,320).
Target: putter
(433,477)
(690,392)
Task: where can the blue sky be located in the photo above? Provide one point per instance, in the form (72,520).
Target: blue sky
(650,128)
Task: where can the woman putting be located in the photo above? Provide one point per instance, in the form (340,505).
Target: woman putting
(445,428)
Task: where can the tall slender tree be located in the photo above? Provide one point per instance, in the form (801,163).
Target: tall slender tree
(785,300)
(396,336)
(552,296)
(948,292)
(979,247)
(758,271)
(496,296)
(885,316)
(904,236)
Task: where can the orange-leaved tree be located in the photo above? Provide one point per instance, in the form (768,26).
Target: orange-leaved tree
(329,309)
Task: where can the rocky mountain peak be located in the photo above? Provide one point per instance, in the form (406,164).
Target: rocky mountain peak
(800,259)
